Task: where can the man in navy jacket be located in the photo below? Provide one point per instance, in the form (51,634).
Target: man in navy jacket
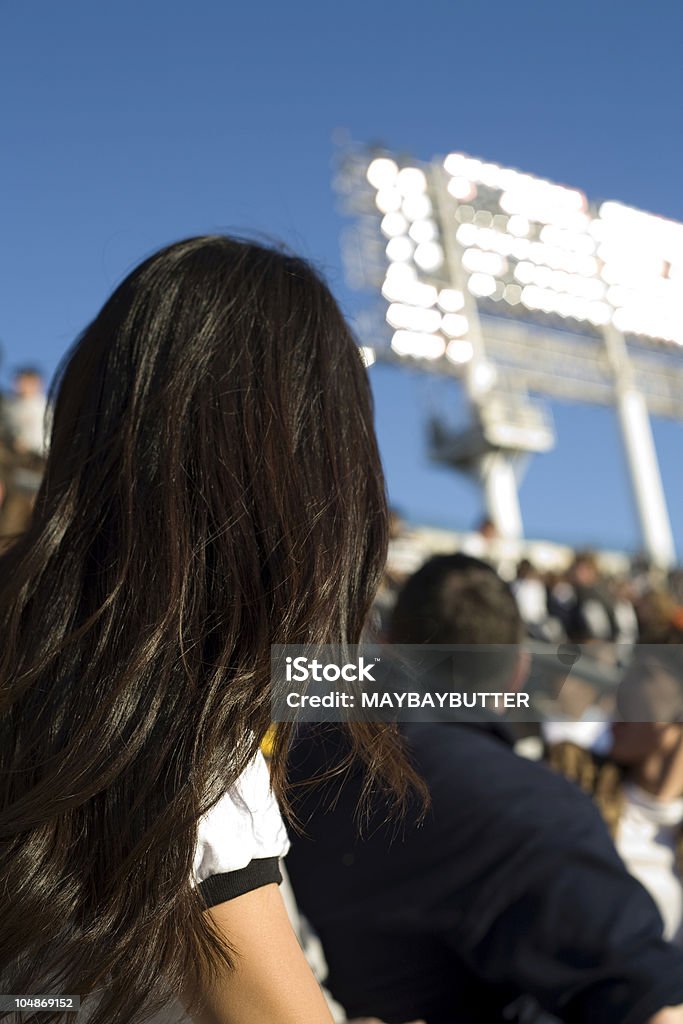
(507,900)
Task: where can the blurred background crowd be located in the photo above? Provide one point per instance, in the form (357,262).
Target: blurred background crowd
(566,595)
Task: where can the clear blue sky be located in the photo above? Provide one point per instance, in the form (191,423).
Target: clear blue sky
(130,124)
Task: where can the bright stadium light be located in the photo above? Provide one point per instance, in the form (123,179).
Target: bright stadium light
(459,351)
(483,377)
(423,231)
(519,286)
(402,272)
(418,345)
(397,289)
(462,188)
(394,224)
(407,289)
(455,325)
(450,300)
(560,237)
(388,200)
(468,234)
(382,172)
(399,249)
(599,313)
(455,164)
(411,181)
(429,255)
(368,355)
(534,245)
(484,262)
(417,206)
(481,285)
(413,318)
(518,226)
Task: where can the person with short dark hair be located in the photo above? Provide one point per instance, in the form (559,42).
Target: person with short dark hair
(455,599)
(588,614)
(508,899)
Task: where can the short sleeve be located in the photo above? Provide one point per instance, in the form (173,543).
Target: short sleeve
(241,839)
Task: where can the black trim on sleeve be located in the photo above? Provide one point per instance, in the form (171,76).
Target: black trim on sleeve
(219,888)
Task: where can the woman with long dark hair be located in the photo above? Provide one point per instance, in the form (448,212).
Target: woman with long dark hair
(213,486)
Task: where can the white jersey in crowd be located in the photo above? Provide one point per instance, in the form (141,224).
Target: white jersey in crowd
(26,422)
(646,841)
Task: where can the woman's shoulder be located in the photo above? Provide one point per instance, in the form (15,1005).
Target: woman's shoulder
(241,839)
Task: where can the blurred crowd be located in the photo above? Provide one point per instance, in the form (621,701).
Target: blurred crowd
(581,603)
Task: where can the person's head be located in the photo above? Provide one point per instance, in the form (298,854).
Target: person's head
(487,528)
(456,599)
(213,487)
(584,571)
(660,618)
(649,705)
(526,570)
(459,600)
(28,381)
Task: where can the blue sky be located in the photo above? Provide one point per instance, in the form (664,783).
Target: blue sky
(128,125)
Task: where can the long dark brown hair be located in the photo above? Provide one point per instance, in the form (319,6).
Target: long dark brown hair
(213,487)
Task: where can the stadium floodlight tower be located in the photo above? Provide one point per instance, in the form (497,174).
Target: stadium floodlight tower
(520,288)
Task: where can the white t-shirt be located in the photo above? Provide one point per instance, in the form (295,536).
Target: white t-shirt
(239,845)
(646,841)
(26,420)
(241,839)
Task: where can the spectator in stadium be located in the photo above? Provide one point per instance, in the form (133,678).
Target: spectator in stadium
(560,594)
(583,700)
(588,614)
(25,411)
(405,555)
(508,899)
(487,529)
(22,450)
(660,617)
(675,585)
(532,601)
(213,486)
(638,785)
(625,617)
(493,547)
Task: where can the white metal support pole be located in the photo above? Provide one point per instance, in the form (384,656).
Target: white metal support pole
(498,476)
(496,470)
(641,455)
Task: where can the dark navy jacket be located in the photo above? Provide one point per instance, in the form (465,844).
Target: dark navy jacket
(509,895)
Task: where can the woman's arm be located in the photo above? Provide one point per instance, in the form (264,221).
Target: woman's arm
(271,980)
